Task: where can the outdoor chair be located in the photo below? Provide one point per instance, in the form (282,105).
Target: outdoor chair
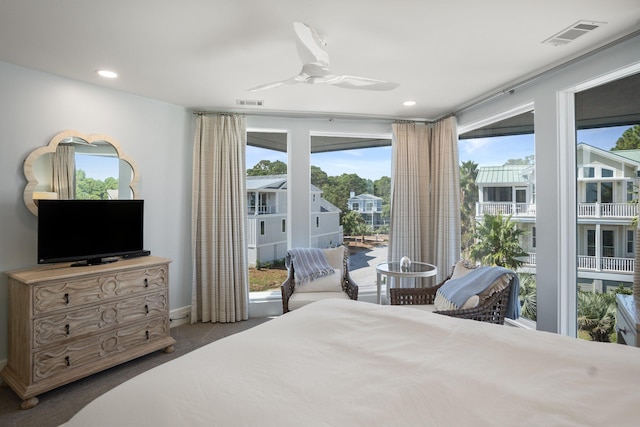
(336,285)
(488,306)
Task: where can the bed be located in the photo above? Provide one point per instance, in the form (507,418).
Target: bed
(349,363)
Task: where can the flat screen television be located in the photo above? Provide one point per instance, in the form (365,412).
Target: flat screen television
(89,231)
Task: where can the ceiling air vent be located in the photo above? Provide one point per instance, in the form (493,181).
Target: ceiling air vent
(571,33)
(253,103)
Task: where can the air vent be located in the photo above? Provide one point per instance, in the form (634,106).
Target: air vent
(571,33)
(254,103)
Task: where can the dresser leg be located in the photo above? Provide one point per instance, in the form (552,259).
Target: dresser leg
(29,403)
(169,349)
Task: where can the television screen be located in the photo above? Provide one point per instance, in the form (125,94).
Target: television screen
(88,230)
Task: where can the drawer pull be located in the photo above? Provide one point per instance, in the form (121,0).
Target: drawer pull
(67,361)
(67,329)
(66,298)
(146,308)
(146,334)
(146,283)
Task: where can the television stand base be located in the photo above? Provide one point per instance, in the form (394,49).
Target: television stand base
(94,261)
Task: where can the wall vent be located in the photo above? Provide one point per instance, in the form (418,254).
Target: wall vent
(571,33)
(254,103)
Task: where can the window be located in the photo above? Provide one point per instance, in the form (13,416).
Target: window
(262,228)
(317,221)
(284,225)
(498,168)
(497,194)
(630,240)
(589,172)
(607,173)
(591,242)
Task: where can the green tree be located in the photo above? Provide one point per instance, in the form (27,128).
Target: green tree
(497,242)
(93,189)
(629,140)
(528,295)
(338,188)
(597,313)
(267,167)
(382,189)
(528,160)
(319,178)
(352,223)
(469,196)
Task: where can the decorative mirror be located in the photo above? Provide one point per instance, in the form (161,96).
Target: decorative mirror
(78,166)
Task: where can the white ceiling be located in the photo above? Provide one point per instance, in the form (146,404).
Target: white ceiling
(205,54)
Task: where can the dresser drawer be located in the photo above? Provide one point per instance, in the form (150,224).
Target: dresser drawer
(76,355)
(60,328)
(66,294)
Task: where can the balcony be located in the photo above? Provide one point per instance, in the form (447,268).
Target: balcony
(262,210)
(592,263)
(585,210)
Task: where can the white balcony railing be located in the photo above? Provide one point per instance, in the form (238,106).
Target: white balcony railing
(585,210)
(505,208)
(591,263)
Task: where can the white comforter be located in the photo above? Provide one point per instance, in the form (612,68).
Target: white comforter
(347,363)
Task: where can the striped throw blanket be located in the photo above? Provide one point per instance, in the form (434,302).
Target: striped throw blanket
(310,264)
(478,280)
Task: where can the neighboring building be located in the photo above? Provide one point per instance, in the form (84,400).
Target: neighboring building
(606,196)
(267,219)
(368,206)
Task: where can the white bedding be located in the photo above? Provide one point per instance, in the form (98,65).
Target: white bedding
(348,363)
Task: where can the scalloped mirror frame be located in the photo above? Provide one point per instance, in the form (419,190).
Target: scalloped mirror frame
(32,181)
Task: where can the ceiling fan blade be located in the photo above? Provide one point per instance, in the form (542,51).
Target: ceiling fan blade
(355,82)
(288,82)
(311,48)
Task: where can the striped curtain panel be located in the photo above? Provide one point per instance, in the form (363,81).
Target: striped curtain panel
(425,195)
(64,172)
(220,286)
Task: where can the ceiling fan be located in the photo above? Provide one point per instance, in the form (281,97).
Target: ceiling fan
(315,68)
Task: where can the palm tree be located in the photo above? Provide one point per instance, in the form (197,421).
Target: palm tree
(497,242)
(469,197)
(528,296)
(597,314)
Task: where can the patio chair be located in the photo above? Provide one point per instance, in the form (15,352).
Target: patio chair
(488,306)
(336,285)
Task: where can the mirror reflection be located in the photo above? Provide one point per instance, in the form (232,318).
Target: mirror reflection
(77,166)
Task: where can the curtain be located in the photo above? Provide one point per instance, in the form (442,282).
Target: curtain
(220,285)
(425,195)
(64,172)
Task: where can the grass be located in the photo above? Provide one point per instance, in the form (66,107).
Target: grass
(266,279)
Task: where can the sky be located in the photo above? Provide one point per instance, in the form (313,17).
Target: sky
(373,163)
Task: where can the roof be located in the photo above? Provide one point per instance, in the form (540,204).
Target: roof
(365,196)
(507,174)
(272,182)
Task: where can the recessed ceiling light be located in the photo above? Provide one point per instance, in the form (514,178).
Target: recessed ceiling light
(107,74)
(409,103)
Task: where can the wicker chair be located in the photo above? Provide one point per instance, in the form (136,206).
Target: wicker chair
(288,287)
(491,309)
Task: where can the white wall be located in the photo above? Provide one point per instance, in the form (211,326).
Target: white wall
(555,175)
(35,106)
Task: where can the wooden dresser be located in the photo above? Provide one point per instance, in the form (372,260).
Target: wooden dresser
(66,323)
(627,320)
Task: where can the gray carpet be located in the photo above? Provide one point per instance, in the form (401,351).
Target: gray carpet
(59,405)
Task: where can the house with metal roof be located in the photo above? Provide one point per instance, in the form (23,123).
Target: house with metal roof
(267,219)
(606,196)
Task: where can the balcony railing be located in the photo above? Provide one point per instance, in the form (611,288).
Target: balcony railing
(591,263)
(585,210)
(262,210)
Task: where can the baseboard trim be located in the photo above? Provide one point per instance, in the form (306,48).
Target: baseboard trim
(180,316)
